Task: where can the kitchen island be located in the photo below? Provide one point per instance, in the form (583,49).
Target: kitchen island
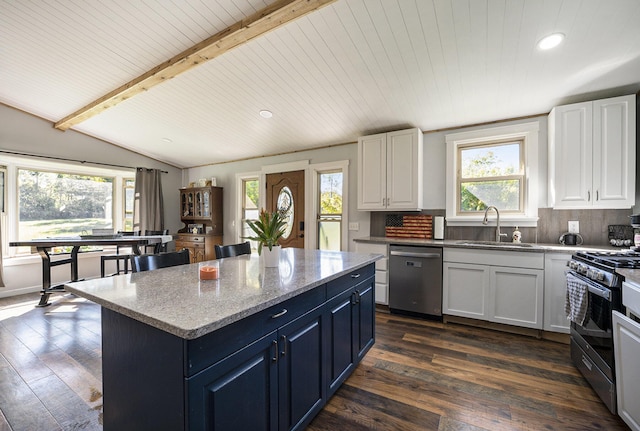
(259,348)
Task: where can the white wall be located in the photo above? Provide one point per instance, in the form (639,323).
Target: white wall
(25,133)
(434,174)
(226,177)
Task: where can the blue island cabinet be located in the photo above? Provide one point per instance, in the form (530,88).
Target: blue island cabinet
(273,370)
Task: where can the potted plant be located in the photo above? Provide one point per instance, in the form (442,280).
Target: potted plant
(268,229)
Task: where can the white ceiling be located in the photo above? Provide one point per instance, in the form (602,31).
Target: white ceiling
(352,68)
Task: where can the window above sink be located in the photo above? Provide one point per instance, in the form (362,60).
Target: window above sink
(496,166)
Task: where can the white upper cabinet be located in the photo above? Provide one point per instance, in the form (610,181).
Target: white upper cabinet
(390,171)
(592,153)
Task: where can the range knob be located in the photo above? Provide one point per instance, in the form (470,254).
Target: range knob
(599,276)
(582,269)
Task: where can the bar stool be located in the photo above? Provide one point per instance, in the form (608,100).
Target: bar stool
(118,257)
(149,262)
(232,250)
(157,247)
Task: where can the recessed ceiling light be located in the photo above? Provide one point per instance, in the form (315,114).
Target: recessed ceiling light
(167,140)
(266,114)
(550,41)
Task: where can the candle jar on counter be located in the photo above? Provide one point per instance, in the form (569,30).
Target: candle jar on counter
(209,270)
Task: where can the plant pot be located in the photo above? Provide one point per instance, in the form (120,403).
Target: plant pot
(271,258)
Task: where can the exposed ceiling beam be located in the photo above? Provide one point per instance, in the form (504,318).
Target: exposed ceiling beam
(273,16)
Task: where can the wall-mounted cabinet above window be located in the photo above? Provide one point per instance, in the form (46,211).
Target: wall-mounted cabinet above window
(390,171)
(592,154)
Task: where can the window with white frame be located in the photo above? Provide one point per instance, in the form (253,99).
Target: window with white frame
(329,186)
(329,221)
(57,199)
(249,201)
(491,174)
(493,167)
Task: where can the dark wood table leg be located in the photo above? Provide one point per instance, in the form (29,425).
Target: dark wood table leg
(47,289)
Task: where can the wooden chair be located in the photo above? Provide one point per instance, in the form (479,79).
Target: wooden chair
(232,250)
(159,247)
(119,257)
(149,262)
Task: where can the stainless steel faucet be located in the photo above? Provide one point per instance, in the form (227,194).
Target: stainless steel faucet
(486,220)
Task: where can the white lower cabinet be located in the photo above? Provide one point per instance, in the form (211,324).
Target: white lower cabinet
(555,290)
(497,286)
(516,296)
(626,344)
(382,265)
(465,290)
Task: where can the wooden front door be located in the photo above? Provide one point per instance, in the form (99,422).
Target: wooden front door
(285,192)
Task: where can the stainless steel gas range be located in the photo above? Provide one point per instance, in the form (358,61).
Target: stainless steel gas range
(592,337)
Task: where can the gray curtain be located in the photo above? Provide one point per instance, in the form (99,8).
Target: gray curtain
(148,208)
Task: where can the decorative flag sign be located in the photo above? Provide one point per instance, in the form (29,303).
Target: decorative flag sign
(409,226)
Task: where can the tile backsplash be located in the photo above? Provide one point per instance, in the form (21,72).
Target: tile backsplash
(551,224)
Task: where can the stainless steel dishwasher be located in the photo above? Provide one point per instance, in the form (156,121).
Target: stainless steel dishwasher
(415,280)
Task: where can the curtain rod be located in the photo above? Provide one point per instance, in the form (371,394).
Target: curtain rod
(15,153)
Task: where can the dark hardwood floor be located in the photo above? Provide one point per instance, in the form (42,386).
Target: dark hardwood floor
(420,375)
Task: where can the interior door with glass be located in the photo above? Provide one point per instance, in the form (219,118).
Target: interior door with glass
(285,193)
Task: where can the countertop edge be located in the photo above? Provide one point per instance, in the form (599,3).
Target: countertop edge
(458,243)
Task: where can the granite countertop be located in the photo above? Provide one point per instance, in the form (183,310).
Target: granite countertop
(175,300)
(488,245)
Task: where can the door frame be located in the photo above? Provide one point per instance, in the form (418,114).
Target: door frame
(300,165)
(311,204)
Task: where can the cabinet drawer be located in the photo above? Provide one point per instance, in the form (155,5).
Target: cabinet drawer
(345,282)
(215,346)
(517,259)
(200,239)
(382,277)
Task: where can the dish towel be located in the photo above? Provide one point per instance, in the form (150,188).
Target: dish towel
(577,299)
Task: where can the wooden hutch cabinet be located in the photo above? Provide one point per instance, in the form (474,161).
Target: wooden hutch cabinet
(201,213)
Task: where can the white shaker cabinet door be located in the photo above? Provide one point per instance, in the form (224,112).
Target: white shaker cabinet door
(517,296)
(571,153)
(372,172)
(465,290)
(614,152)
(404,170)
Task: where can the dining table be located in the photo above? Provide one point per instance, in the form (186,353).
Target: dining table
(44,246)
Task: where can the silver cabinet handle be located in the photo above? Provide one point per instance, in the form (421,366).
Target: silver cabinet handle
(284,345)
(280,314)
(355,275)
(274,344)
(414,254)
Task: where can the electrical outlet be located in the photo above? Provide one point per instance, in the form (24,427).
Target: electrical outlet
(574,226)
(354,226)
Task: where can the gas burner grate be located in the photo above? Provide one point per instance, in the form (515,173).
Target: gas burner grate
(616,259)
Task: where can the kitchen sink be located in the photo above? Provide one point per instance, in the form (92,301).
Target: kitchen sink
(496,244)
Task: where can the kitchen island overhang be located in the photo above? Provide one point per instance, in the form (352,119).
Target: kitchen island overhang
(177,350)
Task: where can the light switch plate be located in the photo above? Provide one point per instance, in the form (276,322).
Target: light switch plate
(354,226)
(574,226)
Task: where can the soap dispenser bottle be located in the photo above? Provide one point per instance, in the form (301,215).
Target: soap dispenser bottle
(516,235)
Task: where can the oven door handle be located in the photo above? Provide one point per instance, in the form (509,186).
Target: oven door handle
(594,288)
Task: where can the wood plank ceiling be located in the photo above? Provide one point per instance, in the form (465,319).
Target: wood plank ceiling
(350,68)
